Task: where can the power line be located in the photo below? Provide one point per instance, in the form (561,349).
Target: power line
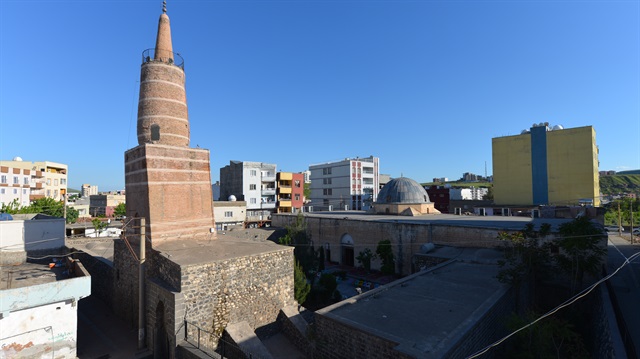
(565,304)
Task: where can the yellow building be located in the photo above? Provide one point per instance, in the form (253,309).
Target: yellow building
(546,166)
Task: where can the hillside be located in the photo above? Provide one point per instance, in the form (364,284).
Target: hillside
(459,184)
(619,184)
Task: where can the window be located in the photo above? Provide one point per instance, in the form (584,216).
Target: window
(297,183)
(24,191)
(228,214)
(55,182)
(26,180)
(326,171)
(55,194)
(252,201)
(2,191)
(252,187)
(327,191)
(155,132)
(16,180)
(297,196)
(48,181)
(48,193)
(253,173)
(63,181)
(15,191)
(326,180)
(3,179)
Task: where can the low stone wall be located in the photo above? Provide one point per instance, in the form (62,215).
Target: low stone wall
(252,289)
(605,335)
(294,327)
(337,340)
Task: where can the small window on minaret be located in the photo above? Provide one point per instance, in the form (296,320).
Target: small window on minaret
(155,132)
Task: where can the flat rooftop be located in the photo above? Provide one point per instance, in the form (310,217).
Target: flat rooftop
(427,312)
(29,274)
(499,222)
(193,252)
(229,244)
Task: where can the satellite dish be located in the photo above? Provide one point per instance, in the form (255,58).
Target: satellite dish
(232,198)
(17,159)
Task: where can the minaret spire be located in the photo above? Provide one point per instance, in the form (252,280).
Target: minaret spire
(164,49)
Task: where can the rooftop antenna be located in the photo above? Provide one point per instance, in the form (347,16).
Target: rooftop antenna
(164,6)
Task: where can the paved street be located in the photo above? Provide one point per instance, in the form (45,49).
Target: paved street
(626,284)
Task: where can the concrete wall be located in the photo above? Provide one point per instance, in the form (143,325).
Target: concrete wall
(18,237)
(572,162)
(42,320)
(512,181)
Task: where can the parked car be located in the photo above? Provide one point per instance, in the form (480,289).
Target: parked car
(636,232)
(613,229)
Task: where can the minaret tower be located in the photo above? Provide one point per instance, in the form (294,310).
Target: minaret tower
(167,183)
(162,108)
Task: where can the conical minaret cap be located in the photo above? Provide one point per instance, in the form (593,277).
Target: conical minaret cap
(164,49)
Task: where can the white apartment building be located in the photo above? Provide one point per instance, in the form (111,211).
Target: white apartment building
(471,193)
(15,185)
(89,190)
(46,179)
(352,183)
(252,182)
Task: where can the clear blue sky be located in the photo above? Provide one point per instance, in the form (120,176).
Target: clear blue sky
(424,85)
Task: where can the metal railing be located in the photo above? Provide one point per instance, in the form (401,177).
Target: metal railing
(148,55)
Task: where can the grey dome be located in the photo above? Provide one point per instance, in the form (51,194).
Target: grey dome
(402,190)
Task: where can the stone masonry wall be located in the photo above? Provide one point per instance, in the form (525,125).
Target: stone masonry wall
(102,276)
(252,289)
(336,340)
(407,238)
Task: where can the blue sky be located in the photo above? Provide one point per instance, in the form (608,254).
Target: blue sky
(424,85)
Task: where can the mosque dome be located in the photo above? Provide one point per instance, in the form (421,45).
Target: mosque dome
(402,190)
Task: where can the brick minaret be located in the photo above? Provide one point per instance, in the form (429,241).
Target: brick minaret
(167,182)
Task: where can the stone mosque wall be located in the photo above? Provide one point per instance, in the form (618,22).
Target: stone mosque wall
(407,238)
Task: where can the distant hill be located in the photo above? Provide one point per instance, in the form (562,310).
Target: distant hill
(71,190)
(619,184)
(459,184)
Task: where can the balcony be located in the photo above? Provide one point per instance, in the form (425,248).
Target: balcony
(268,191)
(284,203)
(149,55)
(286,190)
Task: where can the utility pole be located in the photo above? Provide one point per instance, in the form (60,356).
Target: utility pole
(619,221)
(631,229)
(141,285)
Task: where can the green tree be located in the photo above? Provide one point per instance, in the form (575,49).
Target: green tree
(489,194)
(12,207)
(306,191)
(328,286)
(98,225)
(364,258)
(45,205)
(300,284)
(384,251)
(581,250)
(120,210)
(550,338)
(72,215)
(304,252)
(526,257)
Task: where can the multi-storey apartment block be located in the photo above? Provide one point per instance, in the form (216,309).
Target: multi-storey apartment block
(35,180)
(352,183)
(290,192)
(252,182)
(547,165)
(89,190)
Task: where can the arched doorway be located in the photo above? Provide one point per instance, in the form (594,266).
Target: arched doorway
(346,248)
(160,339)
